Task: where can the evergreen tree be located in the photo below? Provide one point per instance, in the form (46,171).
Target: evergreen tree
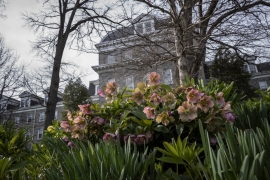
(228,67)
(75,93)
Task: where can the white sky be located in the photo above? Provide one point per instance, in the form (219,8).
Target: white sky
(18,38)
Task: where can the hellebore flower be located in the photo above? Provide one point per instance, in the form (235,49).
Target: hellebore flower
(81,122)
(141,86)
(65,138)
(86,108)
(131,137)
(220,99)
(138,97)
(155,99)
(154,78)
(164,118)
(213,141)
(179,90)
(205,103)
(149,112)
(193,95)
(51,129)
(141,139)
(101,93)
(230,117)
(71,144)
(77,132)
(108,136)
(65,125)
(100,121)
(111,87)
(169,99)
(187,111)
(69,116)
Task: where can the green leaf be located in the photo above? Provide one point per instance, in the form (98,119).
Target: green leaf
(170,149)
(172,160)
(161,128)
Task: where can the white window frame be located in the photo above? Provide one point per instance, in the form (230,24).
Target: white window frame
(111,59)
(40,133)
(263,85)
(55,114)
(166,81)
(130,84)
(17,120)
(144,30)
(29,116)
(42,114)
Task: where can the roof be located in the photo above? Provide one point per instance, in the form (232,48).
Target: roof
(263,67)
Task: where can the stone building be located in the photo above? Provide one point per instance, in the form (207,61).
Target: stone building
(28,112)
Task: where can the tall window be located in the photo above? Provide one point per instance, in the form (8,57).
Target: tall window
(128,55)
(17,120)
(40,134)
(111,59)
(129,82)
(29,118)
(168,76)
(252,68)
(56,114)
(263,85)
(41,116)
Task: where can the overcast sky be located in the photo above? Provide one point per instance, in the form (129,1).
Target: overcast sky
(18,38)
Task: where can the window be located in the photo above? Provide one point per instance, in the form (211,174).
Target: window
(252,68)
(144,27)
(128,55)
(168,76)
(111,59)
(41,116)
(40,134)
(111,80)
(17,120)
(129,82)
(29,118)
(27,135)
(263,85)
(96,89)
(55,114)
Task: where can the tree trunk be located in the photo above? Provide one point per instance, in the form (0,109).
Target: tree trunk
(55,79)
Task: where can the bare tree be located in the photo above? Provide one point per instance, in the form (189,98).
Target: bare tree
(64,23)
(2,8)
(198,27)
(11,73)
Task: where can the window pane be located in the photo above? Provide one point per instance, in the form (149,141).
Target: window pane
(129,82)
(263,85)
(111,59)
(252,68)
(139,28)
(147,27)
(168,76)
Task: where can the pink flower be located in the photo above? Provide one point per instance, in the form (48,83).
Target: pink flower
(108,136)
(137,97)
(193,95)
(101,93)
(156,99)
(164,118)
(205,103)
(220,99)
(187,111)
(149,112)
(65,138)
(99,120)
(69,116)
(71,144)
(111,87)
(80,122)
(141,139)
(86,108)
(65,125)
(149,135)
(154,78)
(230,117)
(131,137)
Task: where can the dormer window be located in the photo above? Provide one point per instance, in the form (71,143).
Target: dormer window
(111,59)
(144,27)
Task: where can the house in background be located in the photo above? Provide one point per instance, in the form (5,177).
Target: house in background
(29,113)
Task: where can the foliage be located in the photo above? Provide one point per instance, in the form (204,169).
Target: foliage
(103,160)
(75,93)
(239,155)
(153,113)
(228,67)
(252,113)
(13,151)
